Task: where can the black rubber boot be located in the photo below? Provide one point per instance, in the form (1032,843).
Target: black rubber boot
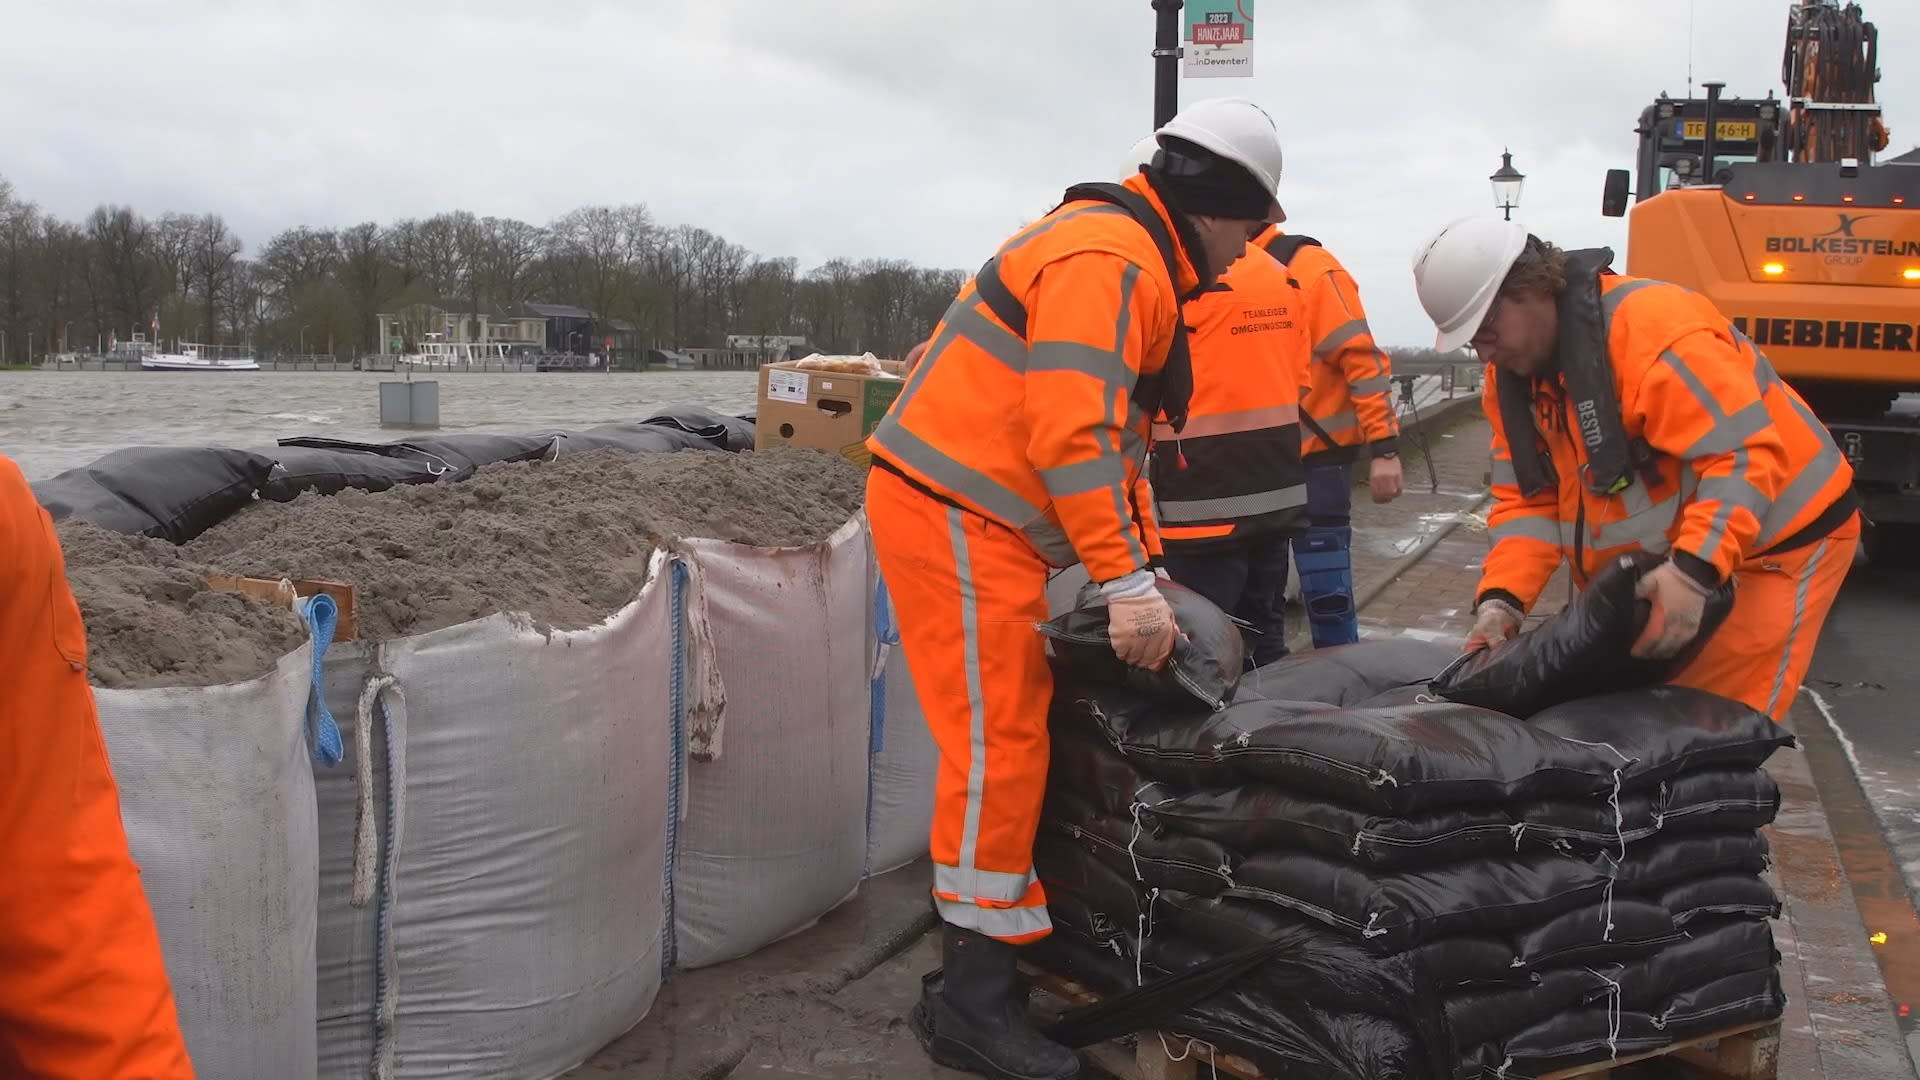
(972,1014)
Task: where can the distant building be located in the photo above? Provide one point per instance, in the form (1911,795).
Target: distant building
(457,322)
(747,352)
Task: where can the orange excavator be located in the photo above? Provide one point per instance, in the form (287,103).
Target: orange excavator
(1776,209)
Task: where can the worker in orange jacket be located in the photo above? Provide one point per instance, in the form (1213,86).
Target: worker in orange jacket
(1016,446)
(1348,411)
(83,993)
(1229,488)
(1630,414)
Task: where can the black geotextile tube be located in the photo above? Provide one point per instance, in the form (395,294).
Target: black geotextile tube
(173,493)
(1205,668)
(1582,650)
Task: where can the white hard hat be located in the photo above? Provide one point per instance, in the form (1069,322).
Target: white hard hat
(1141,153)
(1458,274)
(1239,131)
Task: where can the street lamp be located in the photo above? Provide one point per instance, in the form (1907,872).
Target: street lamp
(1507,182)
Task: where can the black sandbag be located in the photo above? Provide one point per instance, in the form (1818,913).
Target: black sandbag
(328,471)
(1614,930)
(1169,861)
(1668,730)
(1089,767)
(1718,800)
(1721,896)
(438,463)
(1656,865)
(1398,697)
(1482,1016)
(1601,1031)
(174,493)
(1288,1037)
(1604,932)
(1713,949)
(1390,911)
(1391,761)
(1262,817)
(723,431)
(1581,651)
(1206,662)
(1346,675)
(1085,893)
(633,438)
(1355,979)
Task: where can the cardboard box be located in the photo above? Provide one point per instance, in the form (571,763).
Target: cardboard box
(825,410)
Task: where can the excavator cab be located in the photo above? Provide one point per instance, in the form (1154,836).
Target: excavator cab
(1674,150)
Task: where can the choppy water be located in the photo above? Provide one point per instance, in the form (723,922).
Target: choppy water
(56,420)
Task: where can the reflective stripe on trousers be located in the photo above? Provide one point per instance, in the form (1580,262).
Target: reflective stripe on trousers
(966,594)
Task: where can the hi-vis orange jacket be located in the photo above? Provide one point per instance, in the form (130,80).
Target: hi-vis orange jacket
(1683,439)
(1044,428)
(1349,399)
(1234,471)
(84,993)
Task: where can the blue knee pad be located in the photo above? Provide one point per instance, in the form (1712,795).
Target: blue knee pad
(1326,584)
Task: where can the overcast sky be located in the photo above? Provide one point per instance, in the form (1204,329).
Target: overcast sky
(864,128)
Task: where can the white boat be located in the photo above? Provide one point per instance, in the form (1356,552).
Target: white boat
(195,358)
(434,353)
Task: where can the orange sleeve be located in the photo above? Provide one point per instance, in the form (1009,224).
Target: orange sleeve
(1700,402)
(1525,529)
(1343,338)
(1091,322)
(1149,523)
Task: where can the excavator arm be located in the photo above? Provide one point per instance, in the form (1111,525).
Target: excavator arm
(1831,64)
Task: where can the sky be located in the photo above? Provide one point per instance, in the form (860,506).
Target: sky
(857,128)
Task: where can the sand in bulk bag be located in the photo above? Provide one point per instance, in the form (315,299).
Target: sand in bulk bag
(216,790)
(518,827)
(904,757)
(774,833)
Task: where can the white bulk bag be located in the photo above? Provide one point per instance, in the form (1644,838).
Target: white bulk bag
(216,790)
(775,828)
(905,759)
(524,871)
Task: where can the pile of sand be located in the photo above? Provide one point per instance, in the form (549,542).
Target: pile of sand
(566,541)
(151,621)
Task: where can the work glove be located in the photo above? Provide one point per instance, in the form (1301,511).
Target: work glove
(1386,479)
(1139,621)
(1678,601)
(1494,621)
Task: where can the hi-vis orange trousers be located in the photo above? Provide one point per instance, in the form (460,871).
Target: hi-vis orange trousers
(1761,652)
(967,593)
(83,994)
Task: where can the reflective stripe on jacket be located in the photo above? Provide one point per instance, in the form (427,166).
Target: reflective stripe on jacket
(1350,379)
(1739,463)
(1048,438)
(1234,470)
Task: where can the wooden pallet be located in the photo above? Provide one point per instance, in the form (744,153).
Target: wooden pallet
(1751,1052)
(286,591)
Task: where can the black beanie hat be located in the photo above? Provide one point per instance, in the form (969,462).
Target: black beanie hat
(1196,180)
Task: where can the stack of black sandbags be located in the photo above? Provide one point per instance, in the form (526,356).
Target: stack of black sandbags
(1405,886)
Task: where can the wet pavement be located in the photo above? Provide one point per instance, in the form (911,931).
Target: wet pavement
(1863,737)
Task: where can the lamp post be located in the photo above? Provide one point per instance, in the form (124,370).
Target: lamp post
(1507,182)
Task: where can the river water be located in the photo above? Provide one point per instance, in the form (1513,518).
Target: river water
(56,420)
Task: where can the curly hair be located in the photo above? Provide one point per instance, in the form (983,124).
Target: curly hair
(1541,268)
